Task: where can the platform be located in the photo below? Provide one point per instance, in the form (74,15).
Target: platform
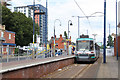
(109,69)
(103,70)
(5,67)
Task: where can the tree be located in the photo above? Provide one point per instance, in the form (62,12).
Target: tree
(20,24)
(6,17)
(110,41)
(65,34)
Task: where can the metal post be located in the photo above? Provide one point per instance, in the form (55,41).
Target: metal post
(54,40)
(68,37)
(33,19)
(46,21)
(116,33)
(78,27)
(109,35)
(104,53)
(8,53)
(33,24)
(109,29)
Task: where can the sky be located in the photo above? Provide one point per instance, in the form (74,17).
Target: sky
(65,9)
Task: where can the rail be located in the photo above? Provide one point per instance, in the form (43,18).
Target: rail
(9,54)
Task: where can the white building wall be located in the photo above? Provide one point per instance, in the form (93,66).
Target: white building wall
(25,10)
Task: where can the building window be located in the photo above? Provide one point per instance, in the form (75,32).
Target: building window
(2,34)
(9,36)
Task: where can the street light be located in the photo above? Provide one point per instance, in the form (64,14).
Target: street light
(33,19)
(33,26)
(69,23)
(54,33)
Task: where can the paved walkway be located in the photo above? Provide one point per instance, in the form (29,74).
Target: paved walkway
(100,70)
(108,70)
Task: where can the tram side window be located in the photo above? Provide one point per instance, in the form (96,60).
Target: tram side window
(91,45)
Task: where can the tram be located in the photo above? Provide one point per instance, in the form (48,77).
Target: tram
(86,50)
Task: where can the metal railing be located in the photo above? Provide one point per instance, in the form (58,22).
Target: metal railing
(8,54)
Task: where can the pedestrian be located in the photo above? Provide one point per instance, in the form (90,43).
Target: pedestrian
(73,49)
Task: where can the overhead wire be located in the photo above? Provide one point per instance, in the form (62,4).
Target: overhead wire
(84,14)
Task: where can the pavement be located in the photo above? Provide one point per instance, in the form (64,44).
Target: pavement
(103,70)
(109,69)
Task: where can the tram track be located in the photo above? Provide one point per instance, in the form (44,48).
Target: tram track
(69,72)
(81,71)
(52,75)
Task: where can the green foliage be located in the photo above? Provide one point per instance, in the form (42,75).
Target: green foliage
(110,41)
(19,23)
(16,51)
(65,34)
(102,47)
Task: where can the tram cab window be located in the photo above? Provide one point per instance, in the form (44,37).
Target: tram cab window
(91,45)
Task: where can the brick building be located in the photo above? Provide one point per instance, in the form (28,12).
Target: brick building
(61,42)
(118,42)
(7,39)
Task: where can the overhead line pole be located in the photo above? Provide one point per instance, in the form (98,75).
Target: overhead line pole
(78,27)
(116,33)
(104,53)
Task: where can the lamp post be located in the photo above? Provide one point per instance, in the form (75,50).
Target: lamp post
(54,33)
(69,23)
(33,19)
(116,33)
(104,53)
(33,26)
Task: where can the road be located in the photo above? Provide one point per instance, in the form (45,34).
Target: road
(77,70)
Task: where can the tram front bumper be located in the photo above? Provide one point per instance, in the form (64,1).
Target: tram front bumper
(85,57)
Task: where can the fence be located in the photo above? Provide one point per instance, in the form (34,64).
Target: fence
(109,52)
(8,54)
